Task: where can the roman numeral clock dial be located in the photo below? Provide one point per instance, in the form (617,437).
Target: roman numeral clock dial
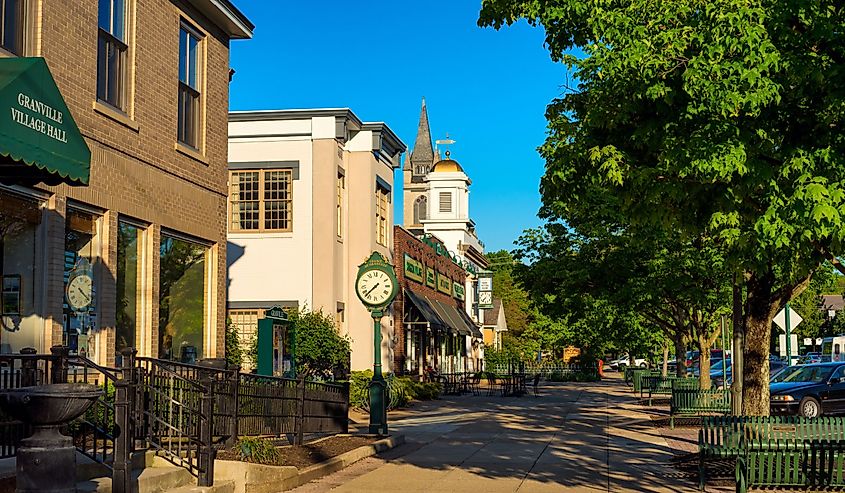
(375,287)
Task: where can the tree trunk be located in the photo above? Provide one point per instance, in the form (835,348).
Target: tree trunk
(665,359)
(759,311)
(738,344)
(704,363)
(680,355)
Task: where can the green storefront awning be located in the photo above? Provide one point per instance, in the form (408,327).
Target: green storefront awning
(39,141)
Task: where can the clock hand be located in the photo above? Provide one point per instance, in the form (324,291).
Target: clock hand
(372,289)
(83,294)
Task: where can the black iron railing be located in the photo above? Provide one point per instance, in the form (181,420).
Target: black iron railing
(184,412)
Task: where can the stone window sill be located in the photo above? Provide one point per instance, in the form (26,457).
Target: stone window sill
(116,115)
(191,152)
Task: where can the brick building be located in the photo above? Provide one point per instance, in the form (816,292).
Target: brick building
(431,327)
(138,256)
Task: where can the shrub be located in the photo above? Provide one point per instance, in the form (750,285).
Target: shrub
(321,352)
(258,450)
(423,391)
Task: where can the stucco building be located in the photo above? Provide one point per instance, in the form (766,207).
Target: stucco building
(310,198)
(136,257)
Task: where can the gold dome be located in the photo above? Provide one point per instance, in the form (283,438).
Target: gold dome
(447,166)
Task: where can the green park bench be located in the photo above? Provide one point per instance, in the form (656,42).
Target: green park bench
(808,464)
(697,402)
(770,450)
(660,385)
(637,378)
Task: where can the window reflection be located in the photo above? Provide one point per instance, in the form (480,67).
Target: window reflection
(181,300)
(128,242)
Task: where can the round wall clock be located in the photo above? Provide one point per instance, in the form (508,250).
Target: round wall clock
(80,292)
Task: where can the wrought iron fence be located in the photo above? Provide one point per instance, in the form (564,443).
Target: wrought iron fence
(183,412)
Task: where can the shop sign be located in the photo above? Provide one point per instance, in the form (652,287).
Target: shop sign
(485,284)
(276,313)
(430,278)
(414,269)
(458,291)
(444,284)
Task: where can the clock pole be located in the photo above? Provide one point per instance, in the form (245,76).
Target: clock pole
(378,387)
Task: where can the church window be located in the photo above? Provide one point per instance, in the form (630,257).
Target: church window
(446,202)
(420,207)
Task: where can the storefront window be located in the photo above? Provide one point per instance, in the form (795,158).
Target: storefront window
(181,300)
(129,241)
(80,306)
(19,322)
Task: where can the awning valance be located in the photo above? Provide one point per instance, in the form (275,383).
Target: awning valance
(39,141)
(424,306)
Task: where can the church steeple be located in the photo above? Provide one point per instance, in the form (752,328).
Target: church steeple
(423,154)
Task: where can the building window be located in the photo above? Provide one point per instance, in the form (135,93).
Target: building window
(382,196)
(129,279)
(261,200)
(81,256)
(11,295)
(111,53)
(12,26)
(190,71)
(245,323)
(445,201)
(341,185)
(181,312)
(420,209)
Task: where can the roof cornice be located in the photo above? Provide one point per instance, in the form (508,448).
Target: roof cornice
(227,16)
(294,114)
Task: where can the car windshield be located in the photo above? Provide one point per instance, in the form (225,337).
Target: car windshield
(806,374)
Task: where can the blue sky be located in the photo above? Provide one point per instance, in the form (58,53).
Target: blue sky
(488,89)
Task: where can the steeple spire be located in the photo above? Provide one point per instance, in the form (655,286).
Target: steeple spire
(423,153)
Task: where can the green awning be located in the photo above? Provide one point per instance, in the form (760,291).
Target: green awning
(39,141)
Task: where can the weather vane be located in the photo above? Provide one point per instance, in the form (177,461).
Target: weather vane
(444,142)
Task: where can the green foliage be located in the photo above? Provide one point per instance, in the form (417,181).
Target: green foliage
(401,390)
(234,351)
(257,450)
(702,120)
(321,351)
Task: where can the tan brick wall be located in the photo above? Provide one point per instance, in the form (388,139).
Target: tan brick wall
(136,170)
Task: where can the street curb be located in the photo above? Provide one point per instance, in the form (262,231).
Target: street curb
(346,459)
(259,478)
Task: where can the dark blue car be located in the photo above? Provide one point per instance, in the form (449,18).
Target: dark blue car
(809,390)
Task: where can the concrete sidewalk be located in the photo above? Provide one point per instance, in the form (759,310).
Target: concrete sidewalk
(574,437)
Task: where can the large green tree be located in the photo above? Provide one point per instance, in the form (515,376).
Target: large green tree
(705,117)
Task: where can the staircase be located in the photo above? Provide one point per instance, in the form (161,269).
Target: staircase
(151,474)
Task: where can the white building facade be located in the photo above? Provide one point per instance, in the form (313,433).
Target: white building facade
(310,199)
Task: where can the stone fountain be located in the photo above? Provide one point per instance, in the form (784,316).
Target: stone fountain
(46,461)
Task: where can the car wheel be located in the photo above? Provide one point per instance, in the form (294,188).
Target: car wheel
(810,408)
(643,365)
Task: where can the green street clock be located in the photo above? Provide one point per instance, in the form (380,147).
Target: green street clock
(376,284)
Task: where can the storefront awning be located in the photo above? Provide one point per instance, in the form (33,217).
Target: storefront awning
(457,319)
(424,305)
(39,141)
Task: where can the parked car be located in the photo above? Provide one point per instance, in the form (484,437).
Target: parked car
(626,361)
(810,358)
(809,390)
(718,378)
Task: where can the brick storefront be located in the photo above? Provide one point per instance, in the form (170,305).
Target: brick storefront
(141,180)
(434,337)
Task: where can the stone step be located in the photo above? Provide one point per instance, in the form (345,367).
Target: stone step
(149,480)
(219,487)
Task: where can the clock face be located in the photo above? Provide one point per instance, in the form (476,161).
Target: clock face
(374,287)
(80,292)
(485,298)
